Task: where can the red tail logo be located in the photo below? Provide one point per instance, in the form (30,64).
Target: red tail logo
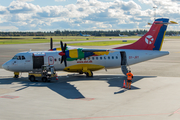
(149,39)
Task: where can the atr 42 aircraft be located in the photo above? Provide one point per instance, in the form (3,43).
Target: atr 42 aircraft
(82,60)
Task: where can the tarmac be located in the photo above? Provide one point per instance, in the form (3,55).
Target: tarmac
(154,94)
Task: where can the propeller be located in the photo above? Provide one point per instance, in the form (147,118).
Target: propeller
(51,43)
(63,53)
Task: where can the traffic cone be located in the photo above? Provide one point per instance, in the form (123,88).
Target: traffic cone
(56,77)
(124,84)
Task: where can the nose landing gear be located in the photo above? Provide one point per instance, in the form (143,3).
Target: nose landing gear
(16,74)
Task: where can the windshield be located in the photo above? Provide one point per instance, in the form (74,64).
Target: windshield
(18,57)
(15,57)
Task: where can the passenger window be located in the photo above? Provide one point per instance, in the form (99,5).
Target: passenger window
(59,59)
(100,58)
(112,57)
(96,58)
(104,57)
(92,58)
(23,58)
(108,57)
(116,57)
(19,58)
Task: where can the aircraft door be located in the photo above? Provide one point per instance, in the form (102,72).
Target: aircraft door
(38,61)
(123,58)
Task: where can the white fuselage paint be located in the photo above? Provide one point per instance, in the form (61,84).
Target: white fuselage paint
(112,60)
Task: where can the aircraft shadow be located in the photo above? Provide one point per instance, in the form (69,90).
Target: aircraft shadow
(64,88)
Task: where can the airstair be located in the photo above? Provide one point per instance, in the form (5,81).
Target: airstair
(124,64)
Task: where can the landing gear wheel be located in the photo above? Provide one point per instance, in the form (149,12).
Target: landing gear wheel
(16,76)
(91,74)
(81,72)
(32,78)
(88,75)
(44,79)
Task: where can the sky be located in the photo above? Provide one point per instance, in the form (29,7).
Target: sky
(51,15)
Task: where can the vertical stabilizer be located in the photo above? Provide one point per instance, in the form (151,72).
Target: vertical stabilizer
(153,39)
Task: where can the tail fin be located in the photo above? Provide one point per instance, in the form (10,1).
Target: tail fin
(153,39)
(81,34)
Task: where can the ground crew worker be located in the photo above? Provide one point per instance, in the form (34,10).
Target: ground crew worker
(129,79)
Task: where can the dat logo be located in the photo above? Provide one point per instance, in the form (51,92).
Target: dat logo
(149,39)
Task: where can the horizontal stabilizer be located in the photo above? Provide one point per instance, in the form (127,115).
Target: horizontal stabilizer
(159,22)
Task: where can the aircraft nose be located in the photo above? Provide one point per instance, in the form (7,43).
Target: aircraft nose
(5,66)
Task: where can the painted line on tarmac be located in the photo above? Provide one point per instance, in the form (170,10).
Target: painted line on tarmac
(9,96)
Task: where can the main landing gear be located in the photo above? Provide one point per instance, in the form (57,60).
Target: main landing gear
(87,72)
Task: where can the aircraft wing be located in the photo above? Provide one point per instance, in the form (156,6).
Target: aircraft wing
(95,50)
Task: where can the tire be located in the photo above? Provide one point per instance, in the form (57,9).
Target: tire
(44,79)
(16,76)
(32,78)
(87,74)
(80,72)
(91,74)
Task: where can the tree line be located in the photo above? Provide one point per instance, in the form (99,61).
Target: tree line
(77,33)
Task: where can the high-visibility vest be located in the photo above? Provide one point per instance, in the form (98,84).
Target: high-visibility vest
(129,76)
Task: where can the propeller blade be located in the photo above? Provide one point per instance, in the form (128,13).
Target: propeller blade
(65,62)
(62,59)
(61,43)
(51,44)
(64,49)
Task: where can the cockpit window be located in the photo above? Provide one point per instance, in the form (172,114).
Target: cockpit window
(19,58)
(15,57)
(23,58)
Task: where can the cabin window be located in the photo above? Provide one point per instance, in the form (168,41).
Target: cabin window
(59,59)
(92,58)
(100,58)
(96,58)
(112,57)
(116,57)
(108,57)
(23,58)
(104,57)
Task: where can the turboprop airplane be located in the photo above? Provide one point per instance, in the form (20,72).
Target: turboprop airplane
(86,61)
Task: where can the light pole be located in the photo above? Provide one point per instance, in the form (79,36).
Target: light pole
(154,12)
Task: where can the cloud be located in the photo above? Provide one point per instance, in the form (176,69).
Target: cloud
(85,14)
(16,7)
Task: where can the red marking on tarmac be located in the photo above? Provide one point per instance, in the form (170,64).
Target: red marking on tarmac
(177,112)
(9,97)
(86,99)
